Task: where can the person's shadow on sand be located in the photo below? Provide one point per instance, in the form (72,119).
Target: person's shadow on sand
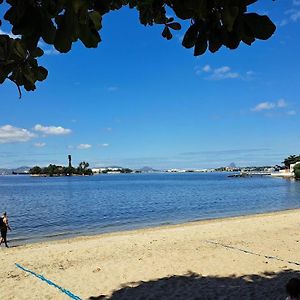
(193,286)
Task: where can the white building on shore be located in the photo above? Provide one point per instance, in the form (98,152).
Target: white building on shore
(292,166)
(287,173)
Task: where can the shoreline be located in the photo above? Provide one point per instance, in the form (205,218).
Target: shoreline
(257,254)
(164,225)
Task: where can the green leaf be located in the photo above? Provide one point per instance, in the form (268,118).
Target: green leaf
(89,37)
(62,42)
(248,2)
(174,26)
(96,19)
(248,39)
(181,10)
(261,26)
(29,76)
(167,33)
(48,31)
(200,46)
(190,37)
(19,50)
(42,73)
(215,42)
(37,52)
(29,86)
(3,75)
(229,16)
(232,41)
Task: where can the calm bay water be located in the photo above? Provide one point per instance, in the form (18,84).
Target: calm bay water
(46,208)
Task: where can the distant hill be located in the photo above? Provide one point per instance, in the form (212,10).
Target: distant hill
(232,165)
(19,170)
(147,169)
(22,169)
(109,167)
(114,167)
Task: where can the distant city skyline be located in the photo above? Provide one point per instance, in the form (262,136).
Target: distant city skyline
(139,100)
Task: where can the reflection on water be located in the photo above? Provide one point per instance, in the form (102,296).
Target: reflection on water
(41,208)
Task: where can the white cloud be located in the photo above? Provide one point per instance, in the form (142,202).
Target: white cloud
(291,113)
(84,146)
(283,22)
(52,130)
(11,134)
(39,145)
(104,145)
(224,73)
(250,73)
(292,15)
(221,73)
(222,70)
(206,68)
(280,104)
(264,106)
(108,129)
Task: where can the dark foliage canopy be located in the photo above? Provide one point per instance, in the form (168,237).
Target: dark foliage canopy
(54,170)
(292,159)
(212,24)
(297,171)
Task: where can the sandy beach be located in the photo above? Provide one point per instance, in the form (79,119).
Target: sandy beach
(250,257)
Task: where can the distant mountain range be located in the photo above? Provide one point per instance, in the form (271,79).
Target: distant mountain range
(25,169)
(143,169)
(232,165)
(20,170)
(147,169)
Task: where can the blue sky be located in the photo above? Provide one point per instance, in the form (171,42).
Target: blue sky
(141,100)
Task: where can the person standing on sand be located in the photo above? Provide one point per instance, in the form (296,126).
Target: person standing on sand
(4,226)
(293,289)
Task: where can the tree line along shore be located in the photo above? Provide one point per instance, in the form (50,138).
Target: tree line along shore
(54,170)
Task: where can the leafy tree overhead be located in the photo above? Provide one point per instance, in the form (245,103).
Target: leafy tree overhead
(212,24)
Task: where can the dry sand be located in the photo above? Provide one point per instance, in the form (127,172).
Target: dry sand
(219,259)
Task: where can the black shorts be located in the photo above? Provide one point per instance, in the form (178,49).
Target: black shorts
(3,233)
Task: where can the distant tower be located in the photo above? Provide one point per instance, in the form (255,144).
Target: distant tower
(70,161)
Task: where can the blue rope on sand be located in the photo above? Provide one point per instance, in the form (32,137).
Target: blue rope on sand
(41,277)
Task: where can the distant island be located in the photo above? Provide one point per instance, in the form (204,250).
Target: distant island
(289,169)
(121,170)
(24,170)
(54,170)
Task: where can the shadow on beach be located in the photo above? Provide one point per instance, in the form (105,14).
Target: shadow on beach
(194,286)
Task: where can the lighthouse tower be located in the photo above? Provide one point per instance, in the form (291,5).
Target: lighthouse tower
(70,161)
